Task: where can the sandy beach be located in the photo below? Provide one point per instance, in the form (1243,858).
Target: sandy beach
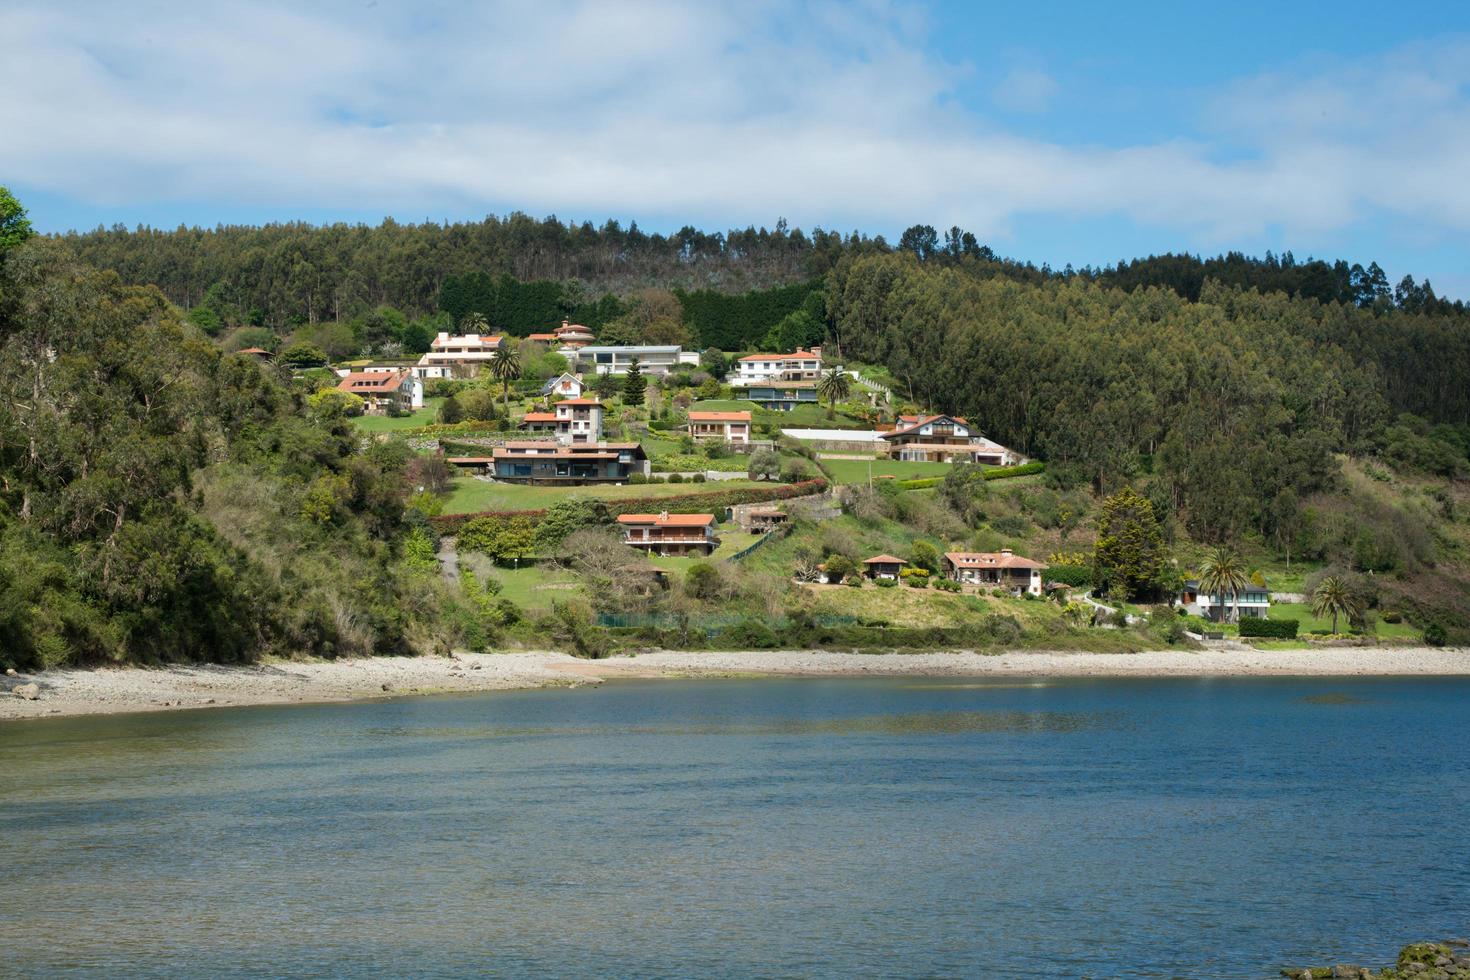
(108,691)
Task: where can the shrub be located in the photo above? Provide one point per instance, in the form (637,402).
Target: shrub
(749,634)
(698,478)
(676,478)
(945,585)
(1281,629)
(1392,616)
(855,581)
(702,581)
(637,478)
(1079,576)
(886,583)
(1014,526)
(1434,635)
(918,581)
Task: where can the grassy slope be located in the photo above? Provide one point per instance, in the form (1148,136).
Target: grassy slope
(427,415)
(468,495)
(850,471)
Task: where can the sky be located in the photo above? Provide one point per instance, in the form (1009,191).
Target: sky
(1058,132)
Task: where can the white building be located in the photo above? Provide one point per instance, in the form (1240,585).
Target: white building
(1002,569)
(457,356)
(651,358)
(564,386)
(1254,601)
(754,369)
(730,427)
(578,420)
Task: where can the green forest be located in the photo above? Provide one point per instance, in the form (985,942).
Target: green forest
(162,499)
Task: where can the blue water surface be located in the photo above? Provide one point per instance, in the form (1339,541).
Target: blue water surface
(730,828)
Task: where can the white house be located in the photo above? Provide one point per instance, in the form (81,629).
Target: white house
(380,389)
(578,420)
(755,369)
(457,356)
(564,386)
(1003,569)
(944,439)
(731,427)
(1254,602)
(651,358)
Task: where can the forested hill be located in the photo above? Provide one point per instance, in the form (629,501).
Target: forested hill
(286,274)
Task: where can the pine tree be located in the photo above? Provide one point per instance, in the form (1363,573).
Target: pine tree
(634,384)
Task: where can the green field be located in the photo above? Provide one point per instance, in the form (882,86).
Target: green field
(468,495)
(1302,613)
(533,588)
(852,471)
(807,416)
(427,415)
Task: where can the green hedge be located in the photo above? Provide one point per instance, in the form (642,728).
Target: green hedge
(1279,629)
(994,473)
(1074,575)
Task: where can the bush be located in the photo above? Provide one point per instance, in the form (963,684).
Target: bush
(918,581)
(1280,629)
(702,581)
(1392,616)
(945,585)
(749,634)
(637,478)
(1077,576)
(887,583)
(855,581)
(676,478)
(698,478)
(1434,635)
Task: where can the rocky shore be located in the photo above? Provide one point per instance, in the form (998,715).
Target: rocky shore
(113,690)
(1448,960)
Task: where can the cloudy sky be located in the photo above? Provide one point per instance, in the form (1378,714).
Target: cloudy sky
(1060,132)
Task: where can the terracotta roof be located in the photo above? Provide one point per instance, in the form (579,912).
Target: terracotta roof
(798,356)
(668,520)
(884,560)
(372,382)
(580,401)
(571,328)
(539,417)
(586,447)
(560,452)
(468,460)
(541,336)
(253,350)
(991,559)
(920,422)
(719,416)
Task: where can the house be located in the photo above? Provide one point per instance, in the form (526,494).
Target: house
(563,386)
(803,365)
(381,389)
(670,534)
(1002,569)
(883,566)
(538,422)
(781,396)
(730,427)
(548,461)
(457,356)
(549,339)
(943,439)
(1254,602)
(654,359)
(573,334)
(760,520)
(578,420)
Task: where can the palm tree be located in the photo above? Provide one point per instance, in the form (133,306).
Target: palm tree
(834,386)
(1223,572)
(505,365)
(1332,596)
(474,323)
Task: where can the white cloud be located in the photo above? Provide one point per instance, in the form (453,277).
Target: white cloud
(828,114)
(1026,90)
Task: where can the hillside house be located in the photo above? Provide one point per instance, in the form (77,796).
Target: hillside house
(563,386)
(653,359)
(552,462)
(668,534)
(1254,602)
(730,427)
(578,420)
(457,355)
(753,369)
(1001,569)
(538,423)
(943,439)
(549,339)
(760,519)
(781,396)
(381,390)
(883,566)
(573,334)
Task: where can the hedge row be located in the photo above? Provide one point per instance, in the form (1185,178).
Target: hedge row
(995,473)
(1279,629)
(684,503)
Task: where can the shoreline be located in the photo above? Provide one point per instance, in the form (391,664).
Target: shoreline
(73,693)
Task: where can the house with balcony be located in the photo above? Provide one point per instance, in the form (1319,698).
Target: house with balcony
(1254,602)
(457,355)
(1002,569)
(573,334)
(382,391)
(563,386)
(729,427)
(943,439)
(781,396)
(669,535)
(578,420)
(755,369)
(538,423)
(653,359)
(551,462)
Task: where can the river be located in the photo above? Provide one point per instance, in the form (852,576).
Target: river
(808,827)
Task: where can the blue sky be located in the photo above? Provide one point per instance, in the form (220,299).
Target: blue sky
(1061,132)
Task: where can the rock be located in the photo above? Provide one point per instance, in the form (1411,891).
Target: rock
(31,692)
(474,666)
(387,687)
(10,672)
(1343,970)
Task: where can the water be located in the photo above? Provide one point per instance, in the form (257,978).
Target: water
(894,827)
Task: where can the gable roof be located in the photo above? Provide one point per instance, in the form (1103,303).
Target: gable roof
(539,417)
(919,422)
(991,559)
(541,336)
(719,416)
(884,560)
(580,401)
(798,356)
(668,520)
(373,382)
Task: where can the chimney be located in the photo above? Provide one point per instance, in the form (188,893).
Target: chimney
(663,515)
(565,322)
(816,351)
(1006,552)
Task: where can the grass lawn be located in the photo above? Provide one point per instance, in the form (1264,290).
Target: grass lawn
(853,471)
(534,587)
(427,415)
(732,540)
(468,495)
(804,416)
(1302,612)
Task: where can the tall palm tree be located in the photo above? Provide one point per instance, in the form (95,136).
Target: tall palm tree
(1222,572)
(834,386)
(474,323)
(1333,597)
(505,365)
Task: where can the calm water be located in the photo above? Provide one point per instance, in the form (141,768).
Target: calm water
(734,828)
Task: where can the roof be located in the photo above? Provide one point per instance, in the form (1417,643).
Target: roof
(468,460)
(560,452)
(576,448)
(920,423)
(572,328)
(553,382)
(834,435)
(798,356)
(1193,586)
(884,560)
(798,385)
(719,416)
(541,336)
(991,559)
(539,417)
(668,520)
(975,446)
(463,340)
(254,350)
(372,382)
(633,349)
(580,401)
